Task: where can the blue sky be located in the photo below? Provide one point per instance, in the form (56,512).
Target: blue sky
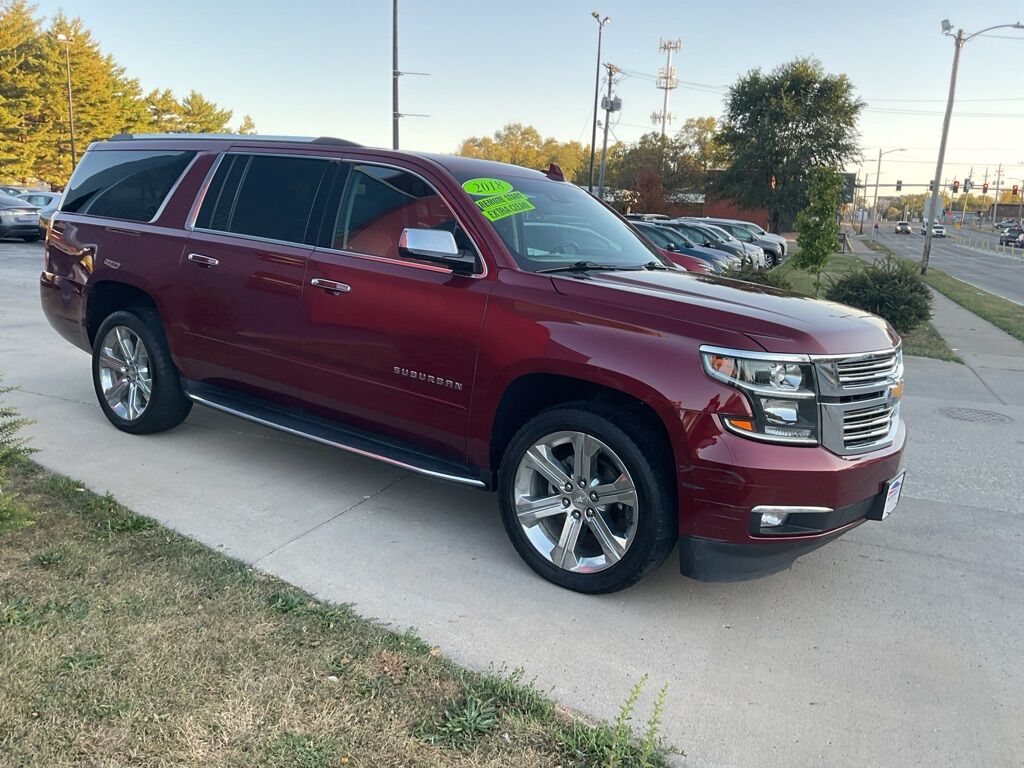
(324,68)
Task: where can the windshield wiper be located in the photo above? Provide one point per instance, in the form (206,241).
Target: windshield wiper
(583,266)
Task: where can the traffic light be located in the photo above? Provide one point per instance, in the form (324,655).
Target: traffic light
(899,184)
(984,188)
(956,186)
(1016,189)
(931,185)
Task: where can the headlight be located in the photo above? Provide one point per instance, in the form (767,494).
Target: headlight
(781,391)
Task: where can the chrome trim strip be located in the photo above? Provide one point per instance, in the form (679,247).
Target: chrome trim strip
(197,204)
(853,355)
(341,446)
(754,355)
(791,510)
(193,212)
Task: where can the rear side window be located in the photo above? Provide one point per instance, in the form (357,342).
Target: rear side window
(263,196)
(129,184)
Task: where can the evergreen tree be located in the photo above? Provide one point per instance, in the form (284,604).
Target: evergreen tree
(22,64)
(247,126)
(198,115)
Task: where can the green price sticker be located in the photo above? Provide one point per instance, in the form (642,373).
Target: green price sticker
(487,187)
(500,206)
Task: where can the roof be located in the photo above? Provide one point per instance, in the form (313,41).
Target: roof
(233,137)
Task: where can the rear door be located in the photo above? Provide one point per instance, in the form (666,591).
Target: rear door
(391,342)
(242,272)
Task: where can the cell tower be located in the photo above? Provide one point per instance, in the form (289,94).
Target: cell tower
(666,81)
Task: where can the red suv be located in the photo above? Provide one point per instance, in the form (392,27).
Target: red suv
(484,324)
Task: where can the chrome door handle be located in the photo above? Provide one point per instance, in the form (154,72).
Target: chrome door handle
(331,286)
(206,261)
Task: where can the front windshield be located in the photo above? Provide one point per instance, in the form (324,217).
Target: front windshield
(723,236)
(549,224)
(754,228)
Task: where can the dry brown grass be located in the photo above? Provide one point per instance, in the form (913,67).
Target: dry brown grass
(122,643)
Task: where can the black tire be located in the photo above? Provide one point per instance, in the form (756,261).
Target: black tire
(167,405)
(645,458)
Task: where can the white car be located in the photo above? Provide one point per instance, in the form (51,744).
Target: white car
(938,230)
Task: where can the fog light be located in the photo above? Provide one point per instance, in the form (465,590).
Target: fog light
(773,519)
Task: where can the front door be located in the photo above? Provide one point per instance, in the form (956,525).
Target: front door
(391,342)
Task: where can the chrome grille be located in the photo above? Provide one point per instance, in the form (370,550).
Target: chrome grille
(866,426)
(867,371)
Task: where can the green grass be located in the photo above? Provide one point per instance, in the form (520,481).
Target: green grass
(1002,313)
(121,638)
(924,341)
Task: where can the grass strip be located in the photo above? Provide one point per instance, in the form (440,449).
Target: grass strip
(122,641)
(1002,313)
(924,341)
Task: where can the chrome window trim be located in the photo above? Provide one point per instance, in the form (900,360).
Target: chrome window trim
(204,188)
(159,210)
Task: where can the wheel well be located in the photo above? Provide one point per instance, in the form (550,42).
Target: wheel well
(530,394)
(108,297)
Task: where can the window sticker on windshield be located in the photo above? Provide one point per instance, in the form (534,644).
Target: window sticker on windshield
(486,186)
(499,206)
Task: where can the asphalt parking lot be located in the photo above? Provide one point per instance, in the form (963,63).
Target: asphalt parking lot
(897,646)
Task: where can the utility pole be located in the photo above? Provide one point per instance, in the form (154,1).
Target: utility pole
(995,205)
(395,74)
(597,90)
(610,105)
(71,107)
(666,80)
(878,173)
(968,186)
(984,196)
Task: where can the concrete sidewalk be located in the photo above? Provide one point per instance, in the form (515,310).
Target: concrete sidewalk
(995,357)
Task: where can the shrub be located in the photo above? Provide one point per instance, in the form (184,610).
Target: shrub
(751,274)
(12,444)
(890,288)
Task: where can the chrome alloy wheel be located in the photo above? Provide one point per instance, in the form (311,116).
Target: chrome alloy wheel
(576,502)
(126,378)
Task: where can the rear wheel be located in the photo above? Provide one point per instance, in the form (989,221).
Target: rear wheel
(136,382)
(586,500)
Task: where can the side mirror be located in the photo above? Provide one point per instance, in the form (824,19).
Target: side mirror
(437,246)
(671,247)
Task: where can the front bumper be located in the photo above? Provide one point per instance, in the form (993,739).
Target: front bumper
(720,539)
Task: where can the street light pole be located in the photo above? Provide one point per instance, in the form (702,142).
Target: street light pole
(878,174)
(597,92)
(394,75)
(71,107)
(958,42)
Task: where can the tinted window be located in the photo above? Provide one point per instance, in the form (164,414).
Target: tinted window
(263,196)
(128,184)
(380,202)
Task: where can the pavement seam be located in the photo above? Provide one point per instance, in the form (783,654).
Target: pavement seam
(322,523)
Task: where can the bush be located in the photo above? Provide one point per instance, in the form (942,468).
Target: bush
(890,288)
(751,274)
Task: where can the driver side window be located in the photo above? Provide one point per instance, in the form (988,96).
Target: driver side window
(379,202)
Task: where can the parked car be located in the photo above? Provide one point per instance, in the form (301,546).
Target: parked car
(1009,236)
(748,250)
(903,228)
(46,202)
(660,238)
(13,191)
(773,250)
(762,233)
(480,323)
(703,236)
(646,216)
(18,219)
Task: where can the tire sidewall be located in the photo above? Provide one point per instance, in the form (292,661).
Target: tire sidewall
(645,551)
(155,345)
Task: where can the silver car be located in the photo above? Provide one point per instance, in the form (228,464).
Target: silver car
(774,246)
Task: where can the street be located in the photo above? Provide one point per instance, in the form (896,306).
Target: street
(897,646)
(997,273)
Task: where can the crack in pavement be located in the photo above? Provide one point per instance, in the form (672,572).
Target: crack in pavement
(322,523)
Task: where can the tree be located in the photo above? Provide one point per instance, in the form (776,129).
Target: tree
(779,125)
(522,145)
(817,226)
(699,136)
(22,66)
(199,115)
(248,126)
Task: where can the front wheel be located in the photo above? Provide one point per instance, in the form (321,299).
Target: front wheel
(136,382)
(586,498)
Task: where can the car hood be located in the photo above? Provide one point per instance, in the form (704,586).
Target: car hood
(776,320)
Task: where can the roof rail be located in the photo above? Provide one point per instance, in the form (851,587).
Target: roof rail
(234,137)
